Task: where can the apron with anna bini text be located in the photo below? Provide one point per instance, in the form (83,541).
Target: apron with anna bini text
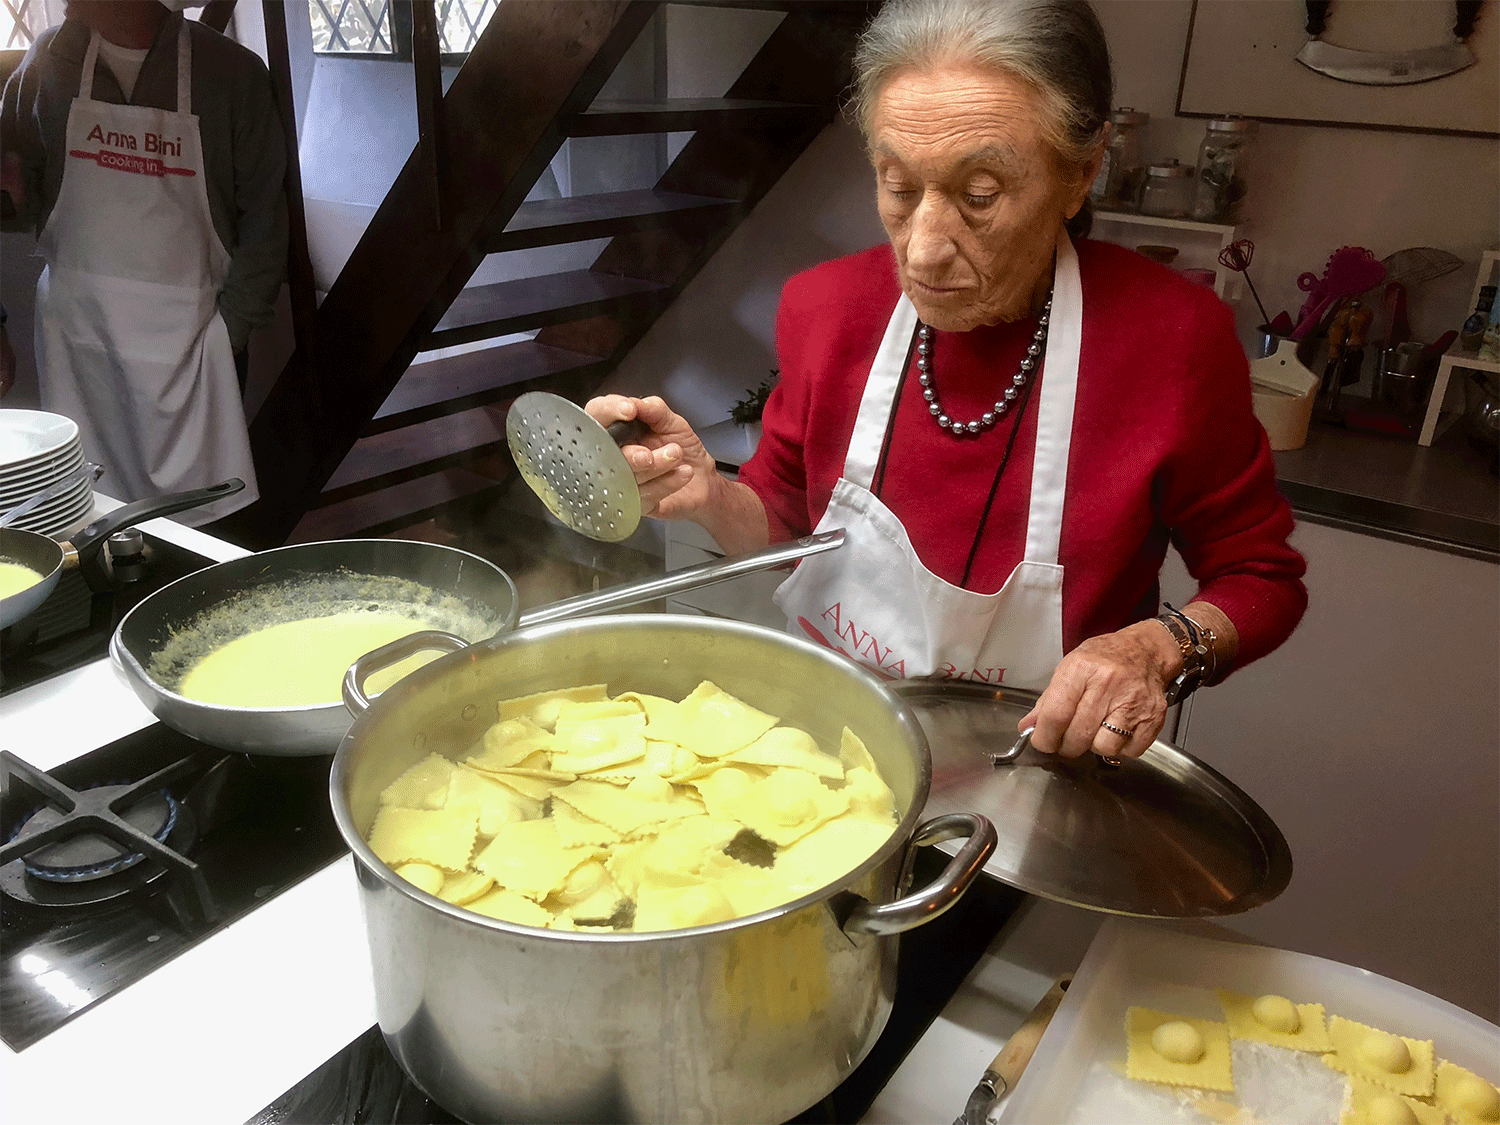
(874,599)
(129,340)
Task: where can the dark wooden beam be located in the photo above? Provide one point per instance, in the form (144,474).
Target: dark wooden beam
(432,144)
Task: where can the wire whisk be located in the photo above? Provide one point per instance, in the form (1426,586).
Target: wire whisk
(1238,256)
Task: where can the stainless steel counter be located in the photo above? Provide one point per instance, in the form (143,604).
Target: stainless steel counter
(1442,496)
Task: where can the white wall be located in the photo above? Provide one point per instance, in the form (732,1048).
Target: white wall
(1312,190)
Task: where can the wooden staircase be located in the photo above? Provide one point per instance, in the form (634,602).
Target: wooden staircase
(354,439)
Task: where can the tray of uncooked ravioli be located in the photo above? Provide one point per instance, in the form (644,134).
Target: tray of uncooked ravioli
(1163,1027)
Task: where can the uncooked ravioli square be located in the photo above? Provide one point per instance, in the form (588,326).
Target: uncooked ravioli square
(1239,1014)
(1349,1056)
(1144,1064)
(1364,1106)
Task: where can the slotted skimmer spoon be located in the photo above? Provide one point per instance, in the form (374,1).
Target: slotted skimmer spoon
(575,466)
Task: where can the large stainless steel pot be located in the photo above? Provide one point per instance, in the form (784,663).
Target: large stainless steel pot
(750,1020)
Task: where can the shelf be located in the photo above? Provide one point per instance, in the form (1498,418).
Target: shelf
(1132,218)
(1470,361)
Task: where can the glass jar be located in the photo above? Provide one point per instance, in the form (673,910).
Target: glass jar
(1118,184)
(1168,193)
(1219,195)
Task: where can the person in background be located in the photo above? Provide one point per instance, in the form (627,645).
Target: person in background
(146,151)
(1009,421)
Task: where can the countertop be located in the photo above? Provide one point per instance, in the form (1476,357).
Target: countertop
(1444,496)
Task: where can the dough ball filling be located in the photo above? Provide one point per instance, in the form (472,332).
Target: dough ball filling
(1386,1052)
(1388,1109)
(1477,1098)
(1278,1014)
(1177,1042)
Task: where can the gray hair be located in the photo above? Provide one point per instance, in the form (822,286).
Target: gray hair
(1055,46)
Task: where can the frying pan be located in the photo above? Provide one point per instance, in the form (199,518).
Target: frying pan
(50,558)
(168,631)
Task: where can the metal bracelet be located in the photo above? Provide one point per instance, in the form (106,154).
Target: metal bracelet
(1208,641)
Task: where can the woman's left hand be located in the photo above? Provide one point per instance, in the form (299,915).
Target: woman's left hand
(1118,678)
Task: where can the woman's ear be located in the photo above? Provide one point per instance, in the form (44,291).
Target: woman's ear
(1089,172)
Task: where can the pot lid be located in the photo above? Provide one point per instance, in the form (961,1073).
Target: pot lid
(1160,836)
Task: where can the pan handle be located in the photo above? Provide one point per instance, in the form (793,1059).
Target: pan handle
(355,698)
(106,525)
(944,891)
(689,578)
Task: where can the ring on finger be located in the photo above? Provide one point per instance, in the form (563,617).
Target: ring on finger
(1125,734)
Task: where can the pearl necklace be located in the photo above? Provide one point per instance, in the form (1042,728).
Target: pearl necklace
(929,392)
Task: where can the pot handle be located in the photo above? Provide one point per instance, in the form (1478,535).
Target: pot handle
(355,699)
(939,895)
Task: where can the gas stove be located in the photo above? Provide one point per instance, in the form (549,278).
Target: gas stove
(120,860)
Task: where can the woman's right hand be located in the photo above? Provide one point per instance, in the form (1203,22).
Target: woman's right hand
(675,473)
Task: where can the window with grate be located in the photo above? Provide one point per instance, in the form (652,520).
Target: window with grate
(351,27)
(382,28)
(21,21)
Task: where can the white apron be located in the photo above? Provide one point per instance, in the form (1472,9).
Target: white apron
(129,340)
(875,601)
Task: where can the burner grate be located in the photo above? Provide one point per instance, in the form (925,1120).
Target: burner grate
(78,813)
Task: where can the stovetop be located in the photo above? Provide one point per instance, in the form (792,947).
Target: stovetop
(242,828)
(364,1085)
(73,626)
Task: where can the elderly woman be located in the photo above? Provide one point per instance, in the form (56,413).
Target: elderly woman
(1012,422)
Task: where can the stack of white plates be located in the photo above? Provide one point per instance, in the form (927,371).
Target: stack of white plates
(38,449)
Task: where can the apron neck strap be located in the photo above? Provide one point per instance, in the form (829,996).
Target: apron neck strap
(184,69)
(90,60)
(875,407)
(1054,422)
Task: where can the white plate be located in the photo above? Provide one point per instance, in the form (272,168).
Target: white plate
(37,475)
(59,512)
(75,517)
(29,434)
(1136,964)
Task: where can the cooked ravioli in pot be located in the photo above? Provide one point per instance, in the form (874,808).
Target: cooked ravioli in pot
(581,811)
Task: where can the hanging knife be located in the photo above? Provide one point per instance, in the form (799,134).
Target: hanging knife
(1388,68)
(1003,1073)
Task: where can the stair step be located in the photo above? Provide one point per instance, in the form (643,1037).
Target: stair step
(401,505)
(388,458)
(548,222)
(452,383)
(483,311)
(673,115)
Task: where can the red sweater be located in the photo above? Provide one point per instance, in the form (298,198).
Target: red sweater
(1164,446)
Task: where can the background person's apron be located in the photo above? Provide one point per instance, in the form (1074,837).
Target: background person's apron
(874,600)
(129,340)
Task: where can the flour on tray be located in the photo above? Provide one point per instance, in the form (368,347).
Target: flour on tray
(1272,1085)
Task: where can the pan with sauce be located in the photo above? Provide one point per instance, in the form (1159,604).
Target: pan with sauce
(288,644)
(14,578)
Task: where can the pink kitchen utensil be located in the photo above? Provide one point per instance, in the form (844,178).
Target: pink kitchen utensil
(1350,270)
